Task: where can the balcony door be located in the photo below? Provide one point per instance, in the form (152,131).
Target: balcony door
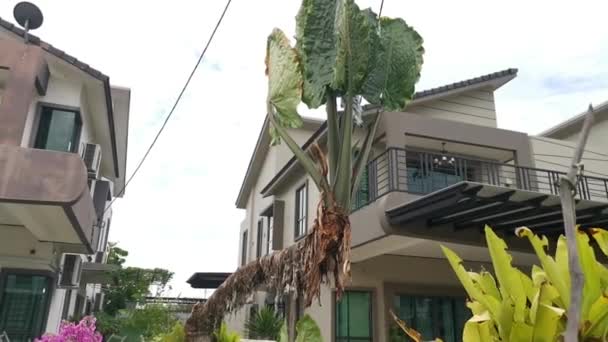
(429,172)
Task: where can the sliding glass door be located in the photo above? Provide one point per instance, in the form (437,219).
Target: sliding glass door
(433,317)
(24,302)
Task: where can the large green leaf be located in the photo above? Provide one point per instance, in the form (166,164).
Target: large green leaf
(357,46)
(588,262)
(284,81)
(283,337)
(396,69)
(317,47)
(487,301)
(597,322)
(308,330)
(553,272)
(546,323)
(508,277)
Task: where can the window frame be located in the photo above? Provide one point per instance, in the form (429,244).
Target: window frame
(372,312)
(52,285)
(259,238)
(244,247)
(40,107)
(433,295)
(297,209)
(269,234)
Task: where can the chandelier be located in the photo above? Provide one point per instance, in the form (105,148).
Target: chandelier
(443,159)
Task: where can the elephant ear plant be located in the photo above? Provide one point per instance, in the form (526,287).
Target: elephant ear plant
(513,306)
(341,52)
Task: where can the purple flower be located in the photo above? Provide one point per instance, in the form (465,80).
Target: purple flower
(84,331)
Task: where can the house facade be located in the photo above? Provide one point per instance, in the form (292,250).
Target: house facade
(63,145)
(439,171)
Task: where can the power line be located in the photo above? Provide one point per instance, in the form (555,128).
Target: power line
(179,97)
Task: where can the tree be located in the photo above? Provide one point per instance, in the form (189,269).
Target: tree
(340,52)
(131,284)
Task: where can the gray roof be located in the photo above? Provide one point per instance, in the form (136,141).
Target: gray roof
(466,83)
(34,40)
(565,127)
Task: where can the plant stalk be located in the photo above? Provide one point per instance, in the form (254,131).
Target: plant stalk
(567,187)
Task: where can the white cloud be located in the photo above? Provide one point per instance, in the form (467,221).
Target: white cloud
(179,212)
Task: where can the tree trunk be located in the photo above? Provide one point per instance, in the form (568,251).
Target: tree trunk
(297,270)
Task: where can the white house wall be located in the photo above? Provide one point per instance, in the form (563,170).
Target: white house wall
(474,107)
(554,154)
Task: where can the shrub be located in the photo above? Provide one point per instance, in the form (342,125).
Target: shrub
(532,308)
(265,324)
(223,335)
(84,331)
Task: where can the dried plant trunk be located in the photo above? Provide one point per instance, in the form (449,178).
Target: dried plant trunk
(298,270)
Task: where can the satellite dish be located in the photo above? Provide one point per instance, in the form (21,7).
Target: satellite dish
(28,16)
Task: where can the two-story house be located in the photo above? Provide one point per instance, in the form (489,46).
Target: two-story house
(63,152)
(439,171)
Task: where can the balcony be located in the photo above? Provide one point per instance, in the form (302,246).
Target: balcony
(46,192)
(422,173)
(451,198)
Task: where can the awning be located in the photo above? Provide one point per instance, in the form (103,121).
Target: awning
(207,280)
(97,273)
(469,205)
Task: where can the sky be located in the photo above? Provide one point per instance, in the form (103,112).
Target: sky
(179,211)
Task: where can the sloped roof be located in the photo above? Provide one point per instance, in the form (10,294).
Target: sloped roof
(495,79)
(573,124)
(84,67)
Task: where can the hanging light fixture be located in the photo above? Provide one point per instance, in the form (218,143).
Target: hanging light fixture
(443,159)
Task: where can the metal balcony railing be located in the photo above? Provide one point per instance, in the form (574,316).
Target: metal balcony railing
(411,171)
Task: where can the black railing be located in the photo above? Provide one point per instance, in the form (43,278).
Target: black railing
(416,172)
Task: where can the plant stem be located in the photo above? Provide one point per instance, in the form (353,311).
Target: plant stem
(567,187)
(333,136)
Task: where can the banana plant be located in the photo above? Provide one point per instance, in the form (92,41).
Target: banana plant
(341,53)
(513,306)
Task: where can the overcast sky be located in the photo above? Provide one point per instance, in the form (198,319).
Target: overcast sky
(179,212)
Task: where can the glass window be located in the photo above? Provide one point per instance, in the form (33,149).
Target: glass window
(23,305)
(433,317)
(58,130)
(354,317)
(244,249)
(260,239)
(269,233)
(301,211)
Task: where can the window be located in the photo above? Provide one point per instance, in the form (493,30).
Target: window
(260,239)
(244,249)
(24,302)
(354,317)
(58,130)
(269,232)
(301,210)
(433,317)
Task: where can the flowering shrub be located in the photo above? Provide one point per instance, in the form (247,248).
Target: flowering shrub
(84,331)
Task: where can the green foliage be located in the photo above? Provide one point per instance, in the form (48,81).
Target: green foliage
(264,324)
(532,308)
(107,325)
(341,51)
(396,69)
(307,330)
(150,321)
(284,81)
(177,334)
(131,284)
(223,335)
